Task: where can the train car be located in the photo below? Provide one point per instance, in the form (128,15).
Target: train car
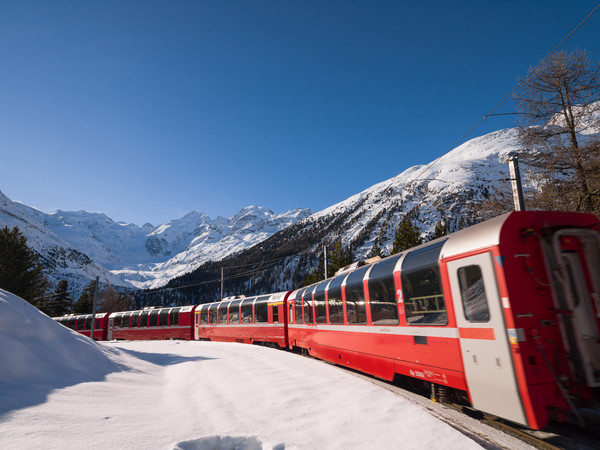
(152,324)
(250,320)
(505,313)
(82,323)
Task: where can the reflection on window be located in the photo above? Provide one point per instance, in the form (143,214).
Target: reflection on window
(203,316)
(298,307)
(213,314)
(472,291)
(355,297)
(261,310)
(246,311)
(423,298)
(163,318)
(135,320)
(174,317)
(234,312)
(382,293)
(334,300)
(307,306)
(223,313)
(320,308)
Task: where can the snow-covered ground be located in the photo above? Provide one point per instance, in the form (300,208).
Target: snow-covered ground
(60,390)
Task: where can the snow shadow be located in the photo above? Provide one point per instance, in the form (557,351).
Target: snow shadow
(224,443)
(163,359)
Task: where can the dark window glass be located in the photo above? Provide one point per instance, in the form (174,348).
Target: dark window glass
(382,292)
(223,313)
(153,318)
(144,318)
(80,323)
(261,310)
(204,315)
(234,312)
(307,305)
(319,299)
(422,287)
(73,323)
(298,307)
(472,291)
(275,313)
(135,319)
(355,297)
(334,300)
(98,324)
(88,322)
(117,321)
(213,314)
(125,320)
(163,318)
(174,317)
(246,311)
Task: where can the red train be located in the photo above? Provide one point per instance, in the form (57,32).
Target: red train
(505,314)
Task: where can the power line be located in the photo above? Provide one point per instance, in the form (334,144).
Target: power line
(491,113)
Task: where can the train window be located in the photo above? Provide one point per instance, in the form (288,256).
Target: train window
(73,323)
(163,318)
(422,287)
(222,311)
(135,319)
(472,291)
(307,305)
(88,322)
(320,308)
(213,313)
(261,310)
(174,317)
(355,297)
(204,315)
(80,323)
(334,300)
(125,321)
(98,324)
(153,318)
(234,312)
(246,311)
(382,292)
(275,313)
(144,318)
(298,307)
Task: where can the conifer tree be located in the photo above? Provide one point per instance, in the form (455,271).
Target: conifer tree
(85,302)
(20,269)
(407,236)
(58,304)
(375,251)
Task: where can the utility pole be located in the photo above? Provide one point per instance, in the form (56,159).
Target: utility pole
(94,302)
(515,180)
(325,258)
(221,283)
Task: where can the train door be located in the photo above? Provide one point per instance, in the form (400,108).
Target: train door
(576,278)
(483,338)
(109,332)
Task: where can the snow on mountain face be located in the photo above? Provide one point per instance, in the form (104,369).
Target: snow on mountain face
(80,245)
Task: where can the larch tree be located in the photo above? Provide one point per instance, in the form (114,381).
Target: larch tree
(559,103)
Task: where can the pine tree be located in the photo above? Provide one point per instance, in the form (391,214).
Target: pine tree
(441,229)
(60,303)
(85,302)
(20,270)
(407,236)
(375,251)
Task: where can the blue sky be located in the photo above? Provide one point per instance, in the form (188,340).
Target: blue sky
(146,110)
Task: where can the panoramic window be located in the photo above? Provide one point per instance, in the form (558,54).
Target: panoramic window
(261,310)
(204,315)
(163,318)
(472,291)
(213,314)
(174,317)
(422,287)
(135,319)
(246,311)
(355,297)
(382,292)
(298,306)
(223,313)
(334,300)
(307,305)
(153,318)
(320,308)
(88,322)
(234,312)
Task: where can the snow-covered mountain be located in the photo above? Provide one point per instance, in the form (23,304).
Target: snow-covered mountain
(78,246)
